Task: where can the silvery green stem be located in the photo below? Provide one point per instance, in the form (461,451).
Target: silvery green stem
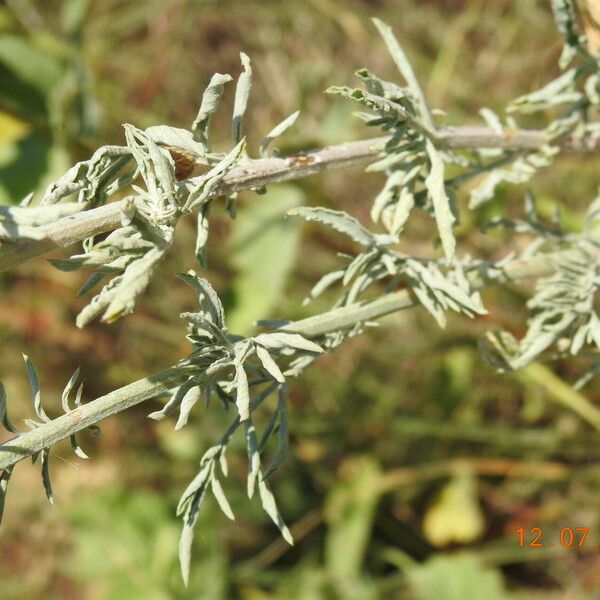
(260,172)
(88,414)
(134,393)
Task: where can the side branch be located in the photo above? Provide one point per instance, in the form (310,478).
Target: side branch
(345,317)
(260,172)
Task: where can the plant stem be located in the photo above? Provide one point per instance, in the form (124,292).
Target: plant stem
(88,414)
(345,317)
(259,172)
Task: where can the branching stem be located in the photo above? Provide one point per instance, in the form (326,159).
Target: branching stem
(260,172)
(139,391)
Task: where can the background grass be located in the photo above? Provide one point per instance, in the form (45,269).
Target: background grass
(412,463)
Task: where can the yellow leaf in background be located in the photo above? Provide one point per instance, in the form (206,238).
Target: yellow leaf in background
(590,15)
(455,515)
(11,128)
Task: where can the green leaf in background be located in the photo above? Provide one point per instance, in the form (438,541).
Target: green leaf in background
(23,163)
(349,513)
(264,252)
(455,516)
(27,76)
(141,532)
(456,577)
(50,92)
(29,164)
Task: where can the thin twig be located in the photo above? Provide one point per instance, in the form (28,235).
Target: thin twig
(260,172)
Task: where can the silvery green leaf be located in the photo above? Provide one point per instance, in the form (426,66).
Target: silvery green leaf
(268,430)
(78,395)
(164,166)
(269,364)
(77,261)
(591,89)
(242,91)
(253,457)
(424,295)
(207,297)
(578,340)
(360,284)
(565,17)
(34,383)
(537,346)
(405,69)
(498,348)
(134,138)
(187,534)
(441,203)
(244,348)
(4,411)
(125,238)
(402,210)
(26,201)
(391,113)
(210,101)
(387,195)
(44,468)
(485,190)
(220,497)
(4,479)
(360,263)
(156,166)
(67,391)
(132,283)
(388,163)
(447,290)
(338,220)
(519,171)
(594,326)
(151,232)
(77,448)
(196,486)
(179,138)
(323,283)
(556,93)
(89,283)
(280,339)
(587,375)
(174,402)
(201,187)
(72,182)
(276,132)
(202,234)
(386,89)
(491,119)
(270,507)
(192,396)
(389,263)
(282,434)
(223,463)
(203,327)
(242,399)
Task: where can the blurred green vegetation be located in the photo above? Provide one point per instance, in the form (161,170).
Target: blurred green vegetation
(412,463)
